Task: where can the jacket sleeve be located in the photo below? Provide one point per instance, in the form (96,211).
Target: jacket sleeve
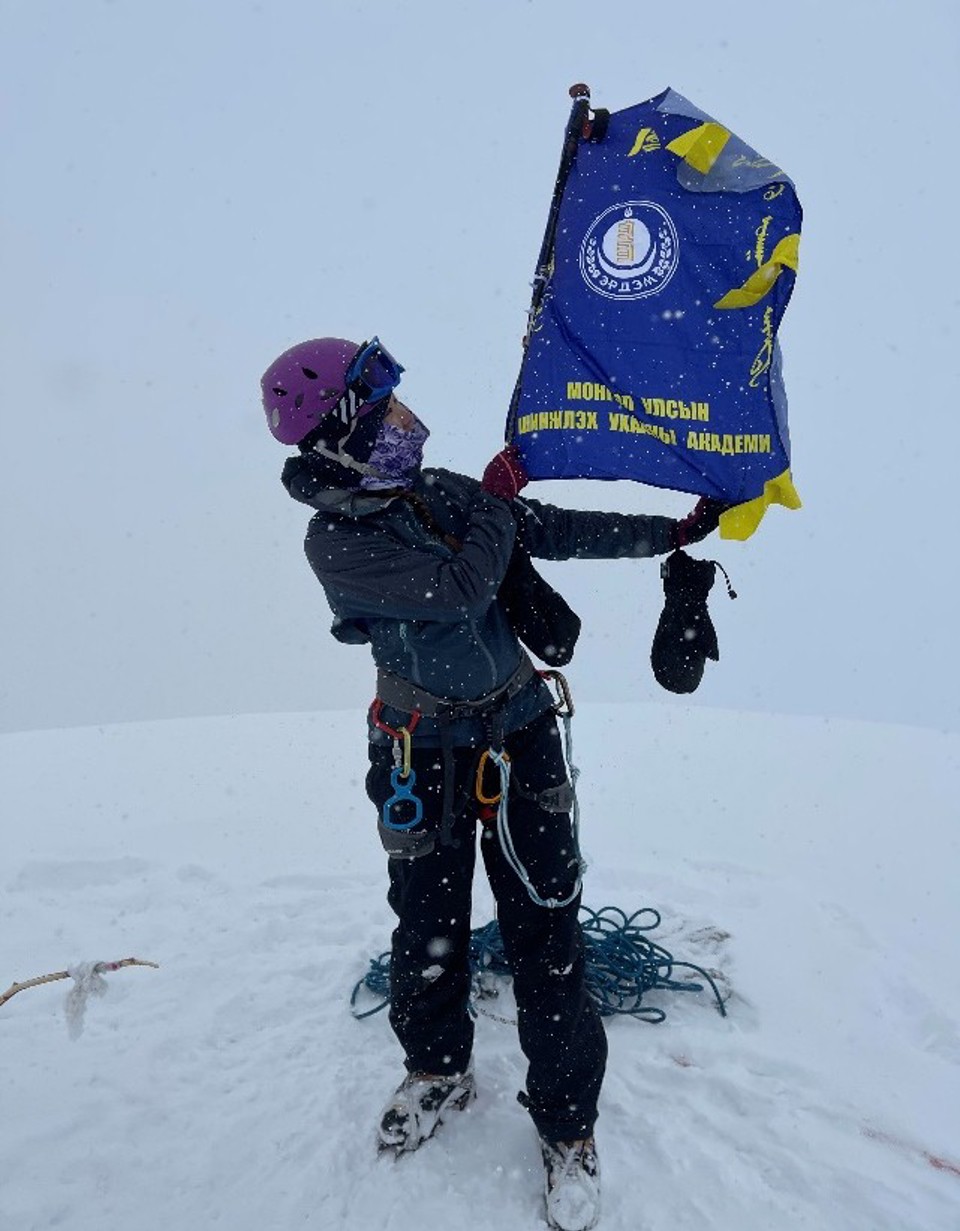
(552,533)
(368,572)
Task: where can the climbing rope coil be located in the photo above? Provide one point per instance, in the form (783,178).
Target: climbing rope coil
(622,965)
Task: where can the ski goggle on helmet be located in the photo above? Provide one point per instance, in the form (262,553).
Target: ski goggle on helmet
(322,387)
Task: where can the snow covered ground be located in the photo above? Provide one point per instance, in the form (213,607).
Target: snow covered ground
(233,1088)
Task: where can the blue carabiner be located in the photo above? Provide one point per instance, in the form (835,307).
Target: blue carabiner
(402,791)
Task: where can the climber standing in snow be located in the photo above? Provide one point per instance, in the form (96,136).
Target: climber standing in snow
(412,563)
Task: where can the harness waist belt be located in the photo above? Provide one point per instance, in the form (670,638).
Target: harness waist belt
(395,691)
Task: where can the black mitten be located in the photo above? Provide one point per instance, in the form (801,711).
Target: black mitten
(685,636)
(540,617)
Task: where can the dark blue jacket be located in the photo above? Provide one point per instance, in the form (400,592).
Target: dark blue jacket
(430,613)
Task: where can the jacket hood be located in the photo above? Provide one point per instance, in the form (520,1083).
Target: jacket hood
(312,480)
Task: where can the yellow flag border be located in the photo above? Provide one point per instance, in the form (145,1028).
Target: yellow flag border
(742,520)
(700,147)
(785,255)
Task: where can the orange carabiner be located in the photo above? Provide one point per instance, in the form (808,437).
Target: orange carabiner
(478,787)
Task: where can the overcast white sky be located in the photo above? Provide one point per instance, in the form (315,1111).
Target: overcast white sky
(194,186)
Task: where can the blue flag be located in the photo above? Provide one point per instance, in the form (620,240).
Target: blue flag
(652,354)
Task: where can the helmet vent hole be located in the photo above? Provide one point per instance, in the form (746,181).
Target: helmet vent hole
(282,393)
(309,374)
(298,401)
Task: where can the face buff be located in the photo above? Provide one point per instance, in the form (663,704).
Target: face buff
(396,456)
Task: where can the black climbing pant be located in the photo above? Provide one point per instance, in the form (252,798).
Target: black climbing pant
(561,1033)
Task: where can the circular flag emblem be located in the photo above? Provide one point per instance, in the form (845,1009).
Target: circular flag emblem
(630,251)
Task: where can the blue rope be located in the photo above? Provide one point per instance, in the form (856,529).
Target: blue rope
(621,965)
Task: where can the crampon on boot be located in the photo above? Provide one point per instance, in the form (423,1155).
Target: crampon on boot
(419,1106)
(572,1174)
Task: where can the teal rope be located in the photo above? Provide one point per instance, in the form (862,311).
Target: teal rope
(622,963)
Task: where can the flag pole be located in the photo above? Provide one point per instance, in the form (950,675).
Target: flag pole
(577,128)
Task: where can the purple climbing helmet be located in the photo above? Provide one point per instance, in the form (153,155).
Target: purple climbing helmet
(326,379)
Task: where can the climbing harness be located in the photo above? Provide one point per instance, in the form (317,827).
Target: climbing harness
(409,698)
(401,694)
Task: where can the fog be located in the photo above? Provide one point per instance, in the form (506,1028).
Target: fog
(193,188)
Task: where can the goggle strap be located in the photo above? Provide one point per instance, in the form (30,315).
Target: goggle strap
(347,409)
(344,459)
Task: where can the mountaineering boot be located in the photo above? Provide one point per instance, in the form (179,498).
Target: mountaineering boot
(572,1173)
(419,1105)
